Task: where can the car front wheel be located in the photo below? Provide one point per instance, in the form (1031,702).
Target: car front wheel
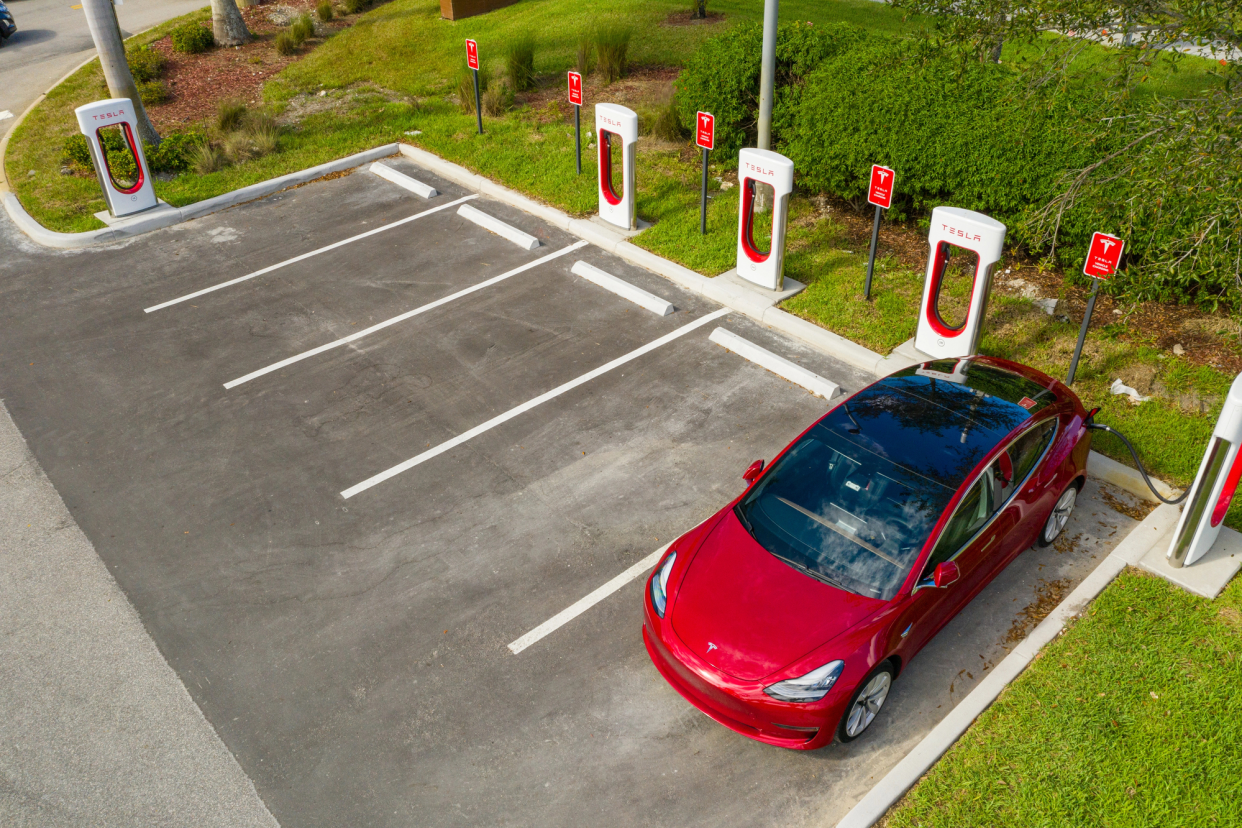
(866,703)
(1055,525)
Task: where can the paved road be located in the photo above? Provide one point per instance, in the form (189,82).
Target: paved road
(352,652)
(52,38)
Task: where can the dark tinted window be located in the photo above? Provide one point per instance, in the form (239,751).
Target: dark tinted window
(1026,450)
(844,513)
(972,512)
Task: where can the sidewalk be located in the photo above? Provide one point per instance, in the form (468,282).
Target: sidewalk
(96,729)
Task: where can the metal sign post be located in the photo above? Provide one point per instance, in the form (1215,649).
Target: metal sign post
(1101,264)
(880,193)
(705,137)
(575,98)
(472,59)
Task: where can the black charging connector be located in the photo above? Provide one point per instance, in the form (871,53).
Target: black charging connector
(1093,425)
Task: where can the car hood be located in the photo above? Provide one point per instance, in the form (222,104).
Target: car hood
(748,613)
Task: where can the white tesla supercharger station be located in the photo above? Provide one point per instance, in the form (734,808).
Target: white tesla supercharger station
(616,123)
(1212,492)
(754,167)
(119,112)
(953,227)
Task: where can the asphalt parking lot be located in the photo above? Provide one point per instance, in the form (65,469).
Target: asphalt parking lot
(335,554)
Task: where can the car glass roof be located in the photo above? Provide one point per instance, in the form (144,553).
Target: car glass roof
(937,429)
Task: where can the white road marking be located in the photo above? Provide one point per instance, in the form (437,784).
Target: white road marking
(570,613)
(778,365)
(622,288)
(402,180)
(305,256)
(276,366)
(494,225)
(529,404)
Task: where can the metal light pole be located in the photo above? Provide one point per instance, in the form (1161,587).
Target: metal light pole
(767,73)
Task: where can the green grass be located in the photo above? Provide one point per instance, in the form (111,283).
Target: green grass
(1131,718)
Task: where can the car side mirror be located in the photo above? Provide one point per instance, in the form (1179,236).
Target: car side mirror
(945,574)
(753,472)
(1005,466)
(1091,415)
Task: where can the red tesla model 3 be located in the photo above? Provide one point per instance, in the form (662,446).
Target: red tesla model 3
(787,614)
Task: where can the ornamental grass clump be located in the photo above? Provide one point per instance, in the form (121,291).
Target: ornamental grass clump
(286,44)
(612,45)
(324,10)
(302,28)
(520,62)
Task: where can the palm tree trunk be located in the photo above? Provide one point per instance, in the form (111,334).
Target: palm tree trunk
(106,32)
(227,24)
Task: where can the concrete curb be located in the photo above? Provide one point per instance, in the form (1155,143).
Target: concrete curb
(129,228)
(648,301)
(778,365)
(494,225)
(926,753)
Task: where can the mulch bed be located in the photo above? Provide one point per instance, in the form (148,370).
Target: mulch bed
(683,18)
(195,81)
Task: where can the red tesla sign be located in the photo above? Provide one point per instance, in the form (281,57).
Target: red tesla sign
(881,191)
(575,89)
(472,54)
(1104,256)
(705,132)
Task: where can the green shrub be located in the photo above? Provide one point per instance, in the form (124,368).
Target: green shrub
(145,63)
(230,114)
(192,38)
(153,92)
(302,28)
(612,45)
(76,151)
(324,10)
(286,43)
(520,62)
(722,78)
(666,125)
(967,134)
(175,153)
(586,52)
(206,158)
(355,6)
(498,99)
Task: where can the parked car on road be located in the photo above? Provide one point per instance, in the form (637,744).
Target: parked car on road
(788,614)
(7,25)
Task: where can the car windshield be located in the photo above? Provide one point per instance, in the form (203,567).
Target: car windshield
(843,514)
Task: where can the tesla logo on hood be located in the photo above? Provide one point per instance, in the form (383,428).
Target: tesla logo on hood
(711,646)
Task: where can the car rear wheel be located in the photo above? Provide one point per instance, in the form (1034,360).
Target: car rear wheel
(866,703)
(1055,525)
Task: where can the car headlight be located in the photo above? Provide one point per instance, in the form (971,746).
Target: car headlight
(809,688)
(659,585)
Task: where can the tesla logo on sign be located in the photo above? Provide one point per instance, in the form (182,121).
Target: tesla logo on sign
(711,646)
(1104,256)
(881,192)
(575,89)
(472,54)
(705,132)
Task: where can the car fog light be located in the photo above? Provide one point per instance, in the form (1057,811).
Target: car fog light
(659,585)
(809,688)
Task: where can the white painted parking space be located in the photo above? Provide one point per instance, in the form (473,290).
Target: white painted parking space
(582,605)
(622,288)
(494,225)
(778,365)
(306,256)
(528,405)
(387,323)
(404,181)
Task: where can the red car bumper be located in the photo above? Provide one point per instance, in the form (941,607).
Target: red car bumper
(742,707)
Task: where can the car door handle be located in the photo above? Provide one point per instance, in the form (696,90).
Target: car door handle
(907,630)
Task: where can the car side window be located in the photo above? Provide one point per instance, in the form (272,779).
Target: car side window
(1026,450)
(972,512)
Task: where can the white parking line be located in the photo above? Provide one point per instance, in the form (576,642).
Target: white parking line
(570,613)
(494,225)
(623,288)
(404,181)
(276,366)
(778,365)
(529,404)
(305,256)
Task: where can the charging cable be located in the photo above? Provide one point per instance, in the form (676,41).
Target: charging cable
(1098,427)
